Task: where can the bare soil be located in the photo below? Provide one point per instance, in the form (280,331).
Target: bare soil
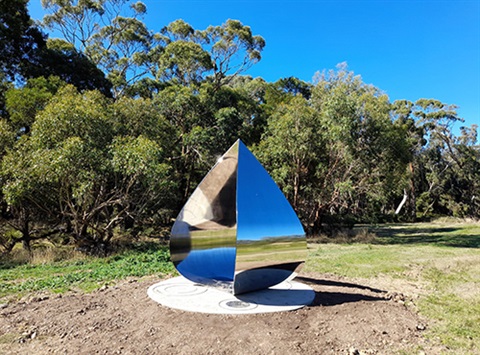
(346,317)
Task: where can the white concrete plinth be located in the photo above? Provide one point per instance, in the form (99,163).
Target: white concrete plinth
(180,293)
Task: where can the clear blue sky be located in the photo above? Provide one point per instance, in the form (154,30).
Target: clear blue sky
(410,49)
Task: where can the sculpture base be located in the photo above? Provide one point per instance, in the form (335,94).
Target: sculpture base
(183,294)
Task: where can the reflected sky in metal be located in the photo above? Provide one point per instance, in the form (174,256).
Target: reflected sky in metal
(237,228)
(265,212)
(214,264)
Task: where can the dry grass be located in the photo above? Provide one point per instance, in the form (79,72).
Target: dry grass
(51,255)
(42,255)
(345,236)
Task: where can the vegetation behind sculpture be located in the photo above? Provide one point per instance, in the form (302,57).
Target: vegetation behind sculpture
(108,130)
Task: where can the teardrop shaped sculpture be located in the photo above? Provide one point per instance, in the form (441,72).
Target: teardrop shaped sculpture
(238,231)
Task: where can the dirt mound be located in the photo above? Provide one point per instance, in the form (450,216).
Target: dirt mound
(345,318)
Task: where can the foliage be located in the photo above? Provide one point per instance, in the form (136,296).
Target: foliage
(23,104)
(337,153)
(60,58)
(109,34)
(20,39)
(27,53)
(443,166)
(87,169)
(137,60)
(229,41)
(109,129)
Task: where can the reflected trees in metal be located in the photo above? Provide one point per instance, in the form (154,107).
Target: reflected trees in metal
(238,231)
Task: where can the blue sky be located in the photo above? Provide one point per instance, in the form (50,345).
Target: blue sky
(410,49)
(256,219)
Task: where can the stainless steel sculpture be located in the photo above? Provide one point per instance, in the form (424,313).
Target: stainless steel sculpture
(238,231)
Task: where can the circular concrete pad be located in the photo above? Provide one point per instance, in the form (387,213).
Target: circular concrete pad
(180,293)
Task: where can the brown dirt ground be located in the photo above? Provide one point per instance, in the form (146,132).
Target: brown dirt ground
(346,317)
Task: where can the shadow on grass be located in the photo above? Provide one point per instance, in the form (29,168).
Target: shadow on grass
(8,264)
(327,298)
(446,236)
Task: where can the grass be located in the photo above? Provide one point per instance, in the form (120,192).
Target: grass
(18,278)
(441,259)
(449,233)
(355,260)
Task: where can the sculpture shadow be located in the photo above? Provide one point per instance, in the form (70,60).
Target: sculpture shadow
(283,297)
(337,298)
(327,298)
(309,280)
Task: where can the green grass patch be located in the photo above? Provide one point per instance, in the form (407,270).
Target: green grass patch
(457,320)
(86,274)
(441,259)
(454,234)
(355,260)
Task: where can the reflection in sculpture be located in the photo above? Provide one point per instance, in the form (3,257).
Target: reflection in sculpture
(238,231)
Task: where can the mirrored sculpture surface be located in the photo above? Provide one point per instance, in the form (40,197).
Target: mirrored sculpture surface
(237,231)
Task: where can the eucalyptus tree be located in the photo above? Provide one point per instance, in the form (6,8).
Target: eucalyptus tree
(233,49)
(295,86)
(220,53)
(364,166)
(7,140)
(20,39)
(337,154)
(292,150)
(20,45)
(183,60)
(192,112)
(467,194)
(29,202)
(206,120)
(292,145)
(253,93)
(109,33)
(142,158)
(27,53)
(62,59)
(55,169)
(21,189)
(89,166)
(415,139)
(448,164)
(435,157)
(136,60)
(24,103)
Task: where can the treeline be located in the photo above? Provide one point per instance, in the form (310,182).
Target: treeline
(108,130)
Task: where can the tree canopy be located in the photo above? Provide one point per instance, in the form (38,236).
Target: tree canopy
(107,130)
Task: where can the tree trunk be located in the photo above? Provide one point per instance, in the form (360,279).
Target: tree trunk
(413,200)
(317,221)
(26,233)
(26,244)
(405,195)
